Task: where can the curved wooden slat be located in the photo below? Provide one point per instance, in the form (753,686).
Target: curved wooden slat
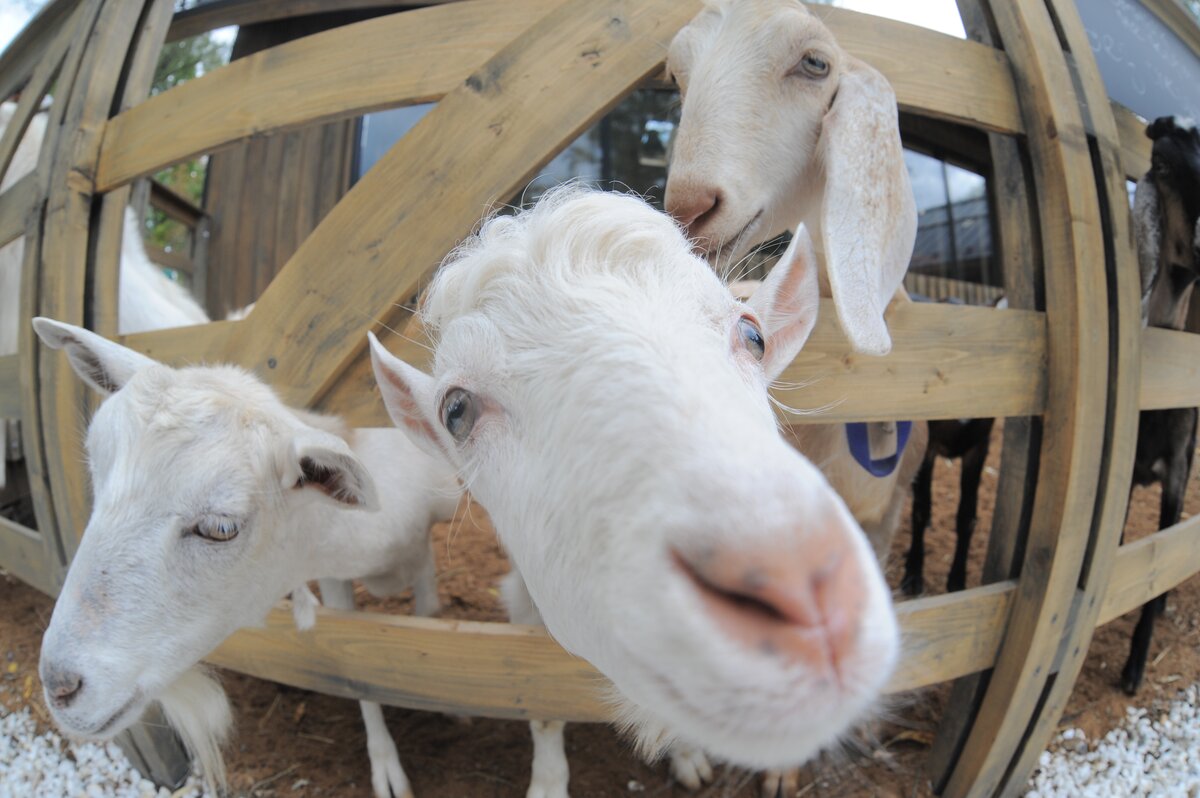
(1060,530)
(31,45)
(418,56)
(15,205)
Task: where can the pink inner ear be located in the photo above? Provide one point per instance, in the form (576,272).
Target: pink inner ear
(414,419)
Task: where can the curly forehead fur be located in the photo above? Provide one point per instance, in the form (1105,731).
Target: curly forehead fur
(573,236)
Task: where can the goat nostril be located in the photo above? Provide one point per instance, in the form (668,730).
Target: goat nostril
(64,688)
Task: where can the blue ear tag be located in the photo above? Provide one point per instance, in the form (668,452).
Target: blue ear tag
(860,448)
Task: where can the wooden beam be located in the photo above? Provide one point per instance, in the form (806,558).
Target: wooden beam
(1135,147)
(10,388)
(175,205)
(223,13)
(23,555)
(419,56)
(16,203)
(509,671)
(1150,567)
(1060,531)
(1170,369)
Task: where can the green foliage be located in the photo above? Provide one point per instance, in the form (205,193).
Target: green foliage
(179,62)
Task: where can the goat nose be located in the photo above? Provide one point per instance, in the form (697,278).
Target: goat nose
(802,600)
(62,685)
(692,207)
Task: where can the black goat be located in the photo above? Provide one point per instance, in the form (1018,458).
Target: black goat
(1166,212)
(968,439)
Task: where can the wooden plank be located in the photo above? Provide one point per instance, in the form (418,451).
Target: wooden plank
(1010,187)
(419,56)
(33,93)
(946,362)
(25,52)
(1178,19)
(16,203)
(482,142)
(510,671)
(10,388)
(23,554)
(1150,567)
(1170,369)
(1120,429)
(1135,147)
(223,13)
(64,399)
(170,260)
(37,466)
(1078,351)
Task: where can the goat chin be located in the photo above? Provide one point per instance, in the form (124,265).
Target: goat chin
(198,710)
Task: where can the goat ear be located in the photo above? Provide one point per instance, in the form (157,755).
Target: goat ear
(408,393)
(868,215)
(317,460)
(1147,232)
(787,303)
(104,365)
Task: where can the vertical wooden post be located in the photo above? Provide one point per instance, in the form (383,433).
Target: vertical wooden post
(1066,541)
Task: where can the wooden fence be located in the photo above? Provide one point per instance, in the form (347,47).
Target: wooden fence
(1067,365)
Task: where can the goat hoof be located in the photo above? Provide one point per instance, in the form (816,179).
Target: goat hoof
(1130,682)
(387,777)
(780,783)
(547,791)
(690,767)
(912,586)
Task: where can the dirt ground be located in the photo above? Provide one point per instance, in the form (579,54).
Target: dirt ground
(290,742)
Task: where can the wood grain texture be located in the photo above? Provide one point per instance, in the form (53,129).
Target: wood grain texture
(1170,369)
(478,146)
(25,52)
(16,203)
(419,56)
(24,553)
(1135,147)
(1120,430)
(1077,347)
(510,671)
(1150,567)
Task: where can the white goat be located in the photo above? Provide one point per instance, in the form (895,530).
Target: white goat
(147,298)
(781,127)
(212,501)
(605,399)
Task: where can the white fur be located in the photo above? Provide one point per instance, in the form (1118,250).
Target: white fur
(778,148)
(145,599)
(624,428)
(833,165)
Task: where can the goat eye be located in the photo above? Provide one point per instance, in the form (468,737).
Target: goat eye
(459,413)
(217,530)
(752,337)
(812,65)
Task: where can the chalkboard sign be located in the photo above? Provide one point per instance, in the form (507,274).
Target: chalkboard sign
(1145,66)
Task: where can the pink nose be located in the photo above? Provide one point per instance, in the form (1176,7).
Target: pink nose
(693,207)
(802,600)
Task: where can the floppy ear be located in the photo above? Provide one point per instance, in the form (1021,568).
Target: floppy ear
(1147,232)
(321,461)
(408,394)
(787,303)
(868,215)
(102,364)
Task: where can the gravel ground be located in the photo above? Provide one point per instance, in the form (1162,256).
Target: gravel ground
(1153,753)
(36,765)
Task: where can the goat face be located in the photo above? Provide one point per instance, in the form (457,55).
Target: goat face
(1167,222)
(605,398)
(781,126)
(196,473)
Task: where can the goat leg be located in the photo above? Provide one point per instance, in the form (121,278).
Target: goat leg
(913,583)
(388,779)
